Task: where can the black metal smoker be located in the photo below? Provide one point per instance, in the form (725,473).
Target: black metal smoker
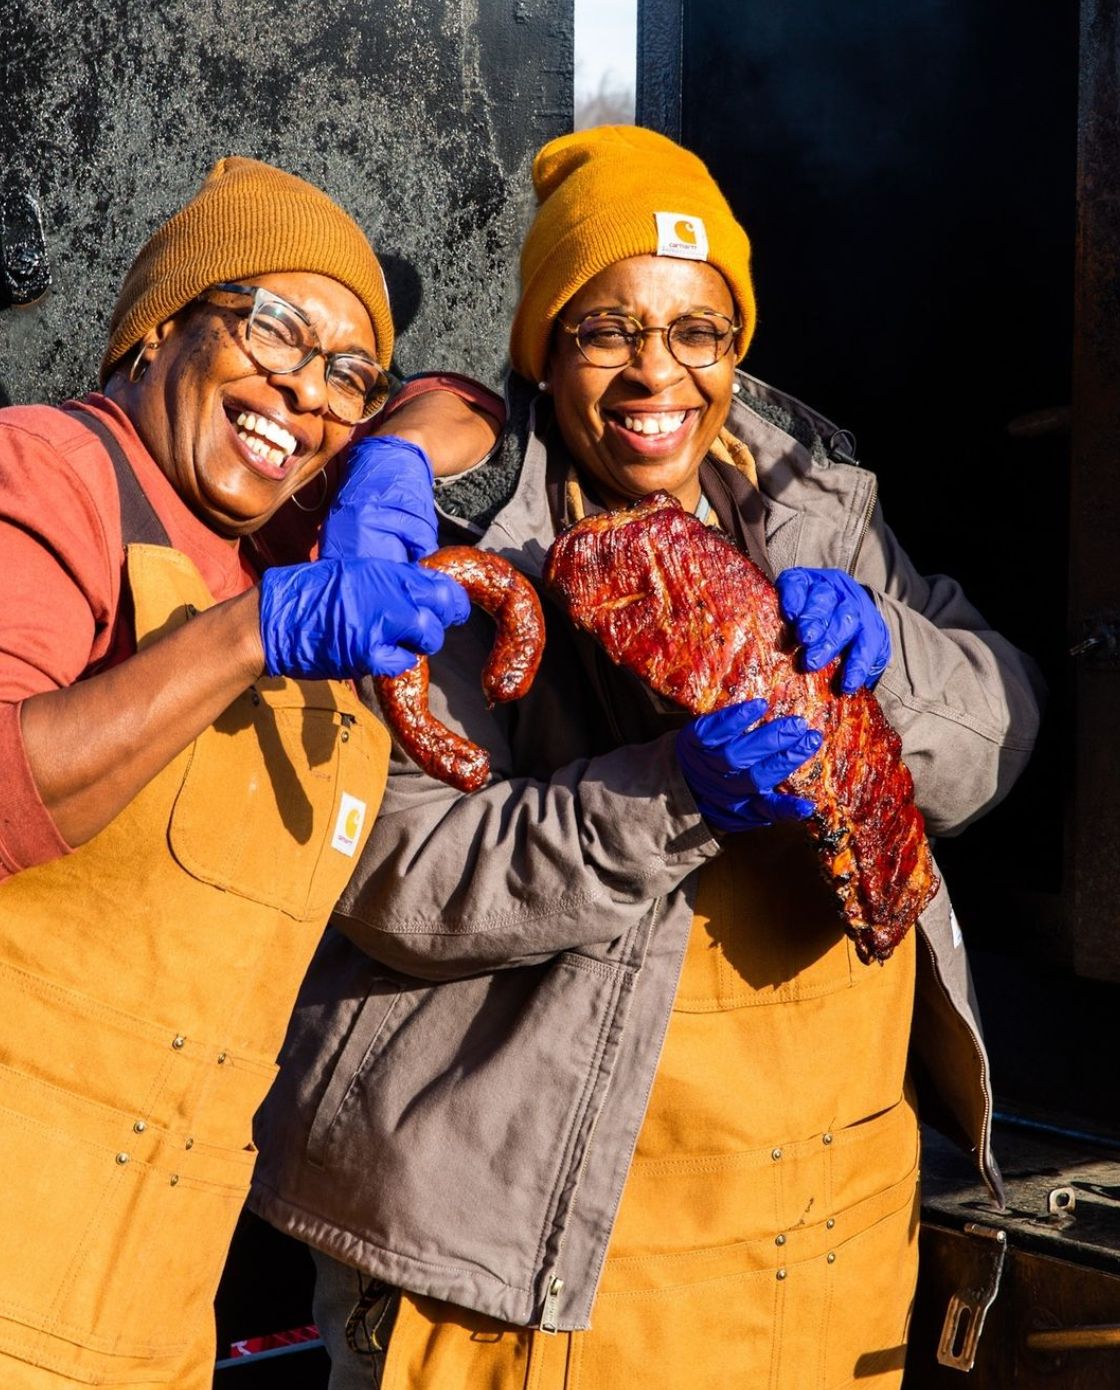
(932,194)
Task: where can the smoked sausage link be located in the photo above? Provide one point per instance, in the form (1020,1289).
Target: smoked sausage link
(511,601)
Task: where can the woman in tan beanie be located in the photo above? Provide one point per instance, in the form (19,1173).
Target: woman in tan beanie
(648,1100)
(187,773)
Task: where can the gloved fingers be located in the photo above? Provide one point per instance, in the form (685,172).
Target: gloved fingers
(712,730)
(793,589)
(817,612)
(867,658)
(747,749)
(721,781)
(415,626)
(445,596)
(387,660)
(386,492)
(730,820)
(860,661)
(843,626)
(767,772)
(780,807)
(761,773)
(755,812)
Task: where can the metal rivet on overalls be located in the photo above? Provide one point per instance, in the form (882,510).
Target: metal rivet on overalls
(189,1144)
(830,1223)
(831,1257)
(779,1240)
(122,1159)
(178,1041)
(826,1138)
(775,1154)
(221,1058)
(781,1274)
(345,736)
(139,1126)
(174,1179)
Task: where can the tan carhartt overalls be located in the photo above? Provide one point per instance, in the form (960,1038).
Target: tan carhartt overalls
(145,984)
(767,1237)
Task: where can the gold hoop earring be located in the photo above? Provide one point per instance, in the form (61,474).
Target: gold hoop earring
(139,365)
(321,479)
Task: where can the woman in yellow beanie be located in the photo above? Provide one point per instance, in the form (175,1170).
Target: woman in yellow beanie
(610,1101)
(187,774)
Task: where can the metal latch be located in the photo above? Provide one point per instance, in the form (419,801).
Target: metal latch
(964,1317)
(25,273)
(1101,638)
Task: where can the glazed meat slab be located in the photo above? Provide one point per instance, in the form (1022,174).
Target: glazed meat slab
(680,606)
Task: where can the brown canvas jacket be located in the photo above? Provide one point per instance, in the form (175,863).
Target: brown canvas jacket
(470,1061)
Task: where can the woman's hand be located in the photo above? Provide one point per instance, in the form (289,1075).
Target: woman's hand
(384,509)
(832,614)
(732,768)
(341,619)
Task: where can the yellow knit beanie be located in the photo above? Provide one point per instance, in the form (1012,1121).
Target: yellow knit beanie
(607,194)
(247,219)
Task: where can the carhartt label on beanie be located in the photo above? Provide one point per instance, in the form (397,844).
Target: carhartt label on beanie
(680,235)
(605,195)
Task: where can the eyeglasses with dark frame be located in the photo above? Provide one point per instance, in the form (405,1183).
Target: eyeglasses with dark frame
(698,338)
(279,337)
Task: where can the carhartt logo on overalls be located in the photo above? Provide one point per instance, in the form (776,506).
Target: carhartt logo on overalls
(678,234)
(348,826)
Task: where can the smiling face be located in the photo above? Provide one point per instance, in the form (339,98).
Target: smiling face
(235,441)
(648,425)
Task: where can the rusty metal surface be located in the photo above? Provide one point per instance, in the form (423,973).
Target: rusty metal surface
(421,119)
(1093,863)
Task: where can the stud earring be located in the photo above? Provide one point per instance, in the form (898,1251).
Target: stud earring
(542,385)
(736,387)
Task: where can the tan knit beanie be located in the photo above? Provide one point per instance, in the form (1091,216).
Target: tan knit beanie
(247,219)
(610,193)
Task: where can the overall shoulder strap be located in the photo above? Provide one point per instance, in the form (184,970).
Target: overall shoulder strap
(139,523)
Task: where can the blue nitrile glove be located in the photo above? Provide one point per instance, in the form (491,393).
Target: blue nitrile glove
(384,508)
(832,613)
(732,769)
(341,619)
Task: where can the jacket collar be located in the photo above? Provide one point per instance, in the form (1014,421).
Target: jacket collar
(802,472)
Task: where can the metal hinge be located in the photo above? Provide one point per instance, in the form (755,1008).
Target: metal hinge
(964,1317)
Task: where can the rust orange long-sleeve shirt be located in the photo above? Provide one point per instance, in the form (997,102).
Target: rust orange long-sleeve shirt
(61,560)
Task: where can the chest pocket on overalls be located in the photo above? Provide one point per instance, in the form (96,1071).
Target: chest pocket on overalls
(279,793)
(766,929)
(302,756)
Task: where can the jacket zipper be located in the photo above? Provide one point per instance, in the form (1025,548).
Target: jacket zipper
(550,1314)
(865,526)
(996,1185)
